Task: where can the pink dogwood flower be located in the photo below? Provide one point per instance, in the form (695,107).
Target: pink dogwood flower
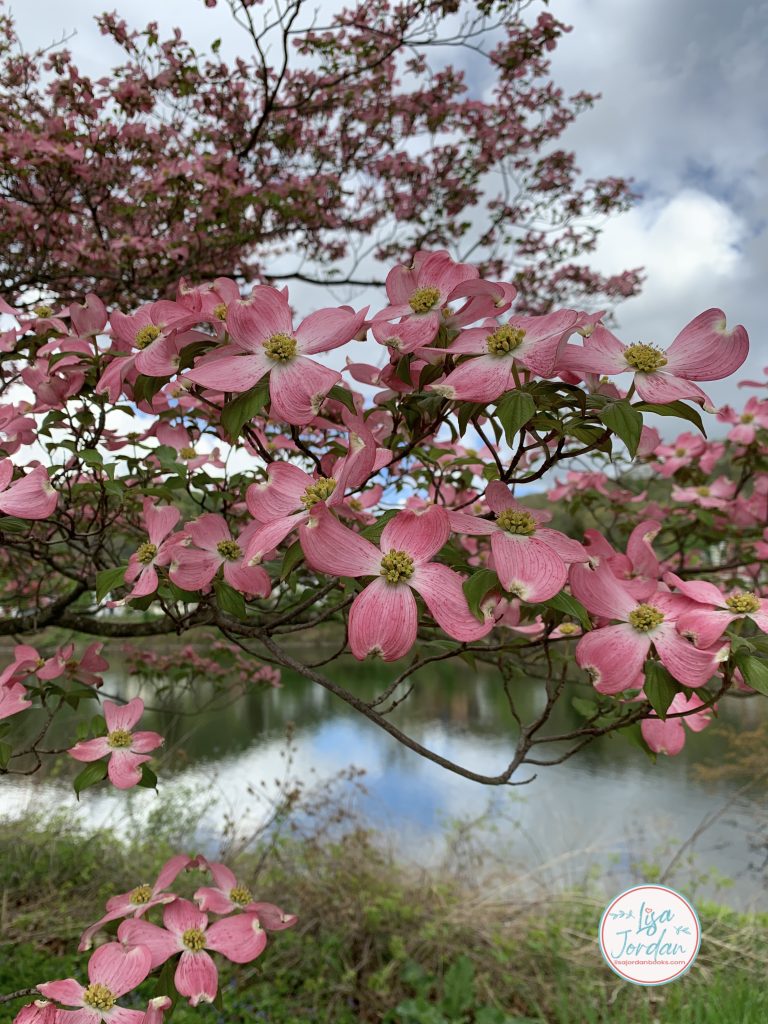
(212,546)
(639,568)
(113,970)
(530,342)
(752,418)
(229,895)
(614,656)
(31,497)
(13,698)
(240,939)
(668,736)
(383,616)
(718,494)
(530,560)
(39,1012)
(85,670)
(141,569)
(264,342)
(127,750)
(140,899)
(713,611)
(703,350)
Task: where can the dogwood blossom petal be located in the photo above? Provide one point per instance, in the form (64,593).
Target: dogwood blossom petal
(332,548)
(420,534)
(240,938)
(613,656)
(383,620)
(705,350)
(527,567)
(196,977)
(442,591)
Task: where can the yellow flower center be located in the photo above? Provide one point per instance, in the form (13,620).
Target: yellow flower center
(396,566)
(515,521)
(230,550)
(241,895)
(356,504)
(645,617)
(645,358)
(187,453)
(99,997)
(119,738)
(220,311)
(747,417)
(147,335)
(146,552)
(194,939)
(743,604)
(568,628)
(318,491)
(679,452)
(281,347)
(141,894)
(42,311)
(703,491)
(505,340)
(423,299)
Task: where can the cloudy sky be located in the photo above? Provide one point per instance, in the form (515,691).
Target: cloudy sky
(683,112)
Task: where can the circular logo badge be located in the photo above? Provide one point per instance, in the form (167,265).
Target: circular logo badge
(650,935)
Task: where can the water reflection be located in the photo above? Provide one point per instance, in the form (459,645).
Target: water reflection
(605,810)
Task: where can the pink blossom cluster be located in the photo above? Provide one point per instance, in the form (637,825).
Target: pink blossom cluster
(187,935)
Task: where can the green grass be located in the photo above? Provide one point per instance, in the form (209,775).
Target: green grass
(375,942)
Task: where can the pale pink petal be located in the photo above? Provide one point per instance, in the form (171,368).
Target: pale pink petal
(482,379)
(297,387)
(248,579)
(332,548)
(234,373)
(326,329)
(383,621)
(252,320)
(122,1015)
(142,742)
(223,876)
(271,917)
(613,656)
(90,750)
(156,1008)
(194,569)
(181,915)
(602,352)
(661,387)
(124,768)
(462,522)
(68,991)
(663,737)
(196,977)
(267,537)
(118,968)
(123,716)
(705,626)
(214,900)
(281,495)
(706,350)
(419,534)
(569,550)
(527,567)
(170,871)
(147,581)
(685,662)
(160,943)
(697,590)
(472,341)
(31,497)
(640,551)
(13,699)
(209,530)
(498,497)
(240,938)
(442,591)
(83,1016)
(600,592)
(160,520)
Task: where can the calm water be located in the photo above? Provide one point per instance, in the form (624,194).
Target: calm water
(604,812)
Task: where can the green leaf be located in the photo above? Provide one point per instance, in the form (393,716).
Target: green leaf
(10,524)
(678,409)
(235,415)
(660,688)
(229,600)
(92,774)
(108,579)
(570,606)
(5,754)
(91,457)
(585,708)
(292,557)
(514,411)
(754,670)
(338,393)
(145,388)
(165,984)
(98,726)
(458,988)
(625,421)
(476,587)
(465,413)
(148,778)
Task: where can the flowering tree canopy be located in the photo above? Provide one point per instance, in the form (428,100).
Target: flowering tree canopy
(195,463)
(326,144)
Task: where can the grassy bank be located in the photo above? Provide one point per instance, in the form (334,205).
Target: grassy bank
(375,942)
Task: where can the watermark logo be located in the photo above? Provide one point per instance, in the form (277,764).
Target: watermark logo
(650,935)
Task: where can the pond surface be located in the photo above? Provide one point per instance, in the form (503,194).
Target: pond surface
(607,812)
